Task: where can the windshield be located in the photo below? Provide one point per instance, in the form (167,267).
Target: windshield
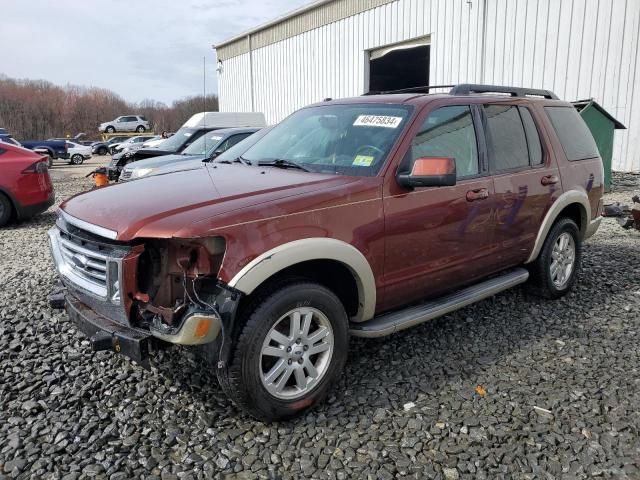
(177,141)
(339,139)
(239,148)
(202,145)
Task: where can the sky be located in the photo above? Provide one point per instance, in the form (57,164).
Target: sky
(140,49)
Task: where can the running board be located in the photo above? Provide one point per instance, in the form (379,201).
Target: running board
(399,320)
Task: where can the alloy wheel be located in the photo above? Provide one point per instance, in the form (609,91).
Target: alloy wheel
(563,260)
(296,353)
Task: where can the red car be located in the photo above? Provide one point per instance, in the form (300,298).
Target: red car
(25,185)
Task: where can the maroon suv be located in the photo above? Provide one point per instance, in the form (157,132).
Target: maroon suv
(360,216)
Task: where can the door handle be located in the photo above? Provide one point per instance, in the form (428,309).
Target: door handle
(549,180)
(477,194)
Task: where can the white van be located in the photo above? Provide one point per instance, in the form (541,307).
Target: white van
(225,120)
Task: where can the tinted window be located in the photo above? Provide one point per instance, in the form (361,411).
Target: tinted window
(533,139)
(575,137)
(233,141)
(449,132)
(506,138)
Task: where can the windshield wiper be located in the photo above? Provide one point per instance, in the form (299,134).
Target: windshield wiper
(281,163)
(240,159)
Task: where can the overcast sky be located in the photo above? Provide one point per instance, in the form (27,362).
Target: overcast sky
(139,49)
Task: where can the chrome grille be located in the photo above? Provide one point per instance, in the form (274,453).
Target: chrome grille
(86,263)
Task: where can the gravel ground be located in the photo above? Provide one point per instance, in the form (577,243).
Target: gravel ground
(512,387)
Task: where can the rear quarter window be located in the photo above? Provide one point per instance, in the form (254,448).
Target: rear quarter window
(573,133)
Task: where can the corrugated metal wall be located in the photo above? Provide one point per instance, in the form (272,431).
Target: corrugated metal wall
(577,48)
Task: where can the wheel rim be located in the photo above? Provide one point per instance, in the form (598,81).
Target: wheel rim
(296,353)
(563,258)
(76,159)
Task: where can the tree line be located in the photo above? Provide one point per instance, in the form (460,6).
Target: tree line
(37,109)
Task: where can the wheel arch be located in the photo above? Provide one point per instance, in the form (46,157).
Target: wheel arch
(15,214)
(293,255)
(573,204)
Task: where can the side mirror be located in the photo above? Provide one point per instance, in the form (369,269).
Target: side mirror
(430,172)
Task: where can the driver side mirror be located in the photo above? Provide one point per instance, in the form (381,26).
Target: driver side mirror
(430,172)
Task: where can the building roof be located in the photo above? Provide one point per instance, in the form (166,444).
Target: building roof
(304,19)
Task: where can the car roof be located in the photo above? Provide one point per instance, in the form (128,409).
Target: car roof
(235,130)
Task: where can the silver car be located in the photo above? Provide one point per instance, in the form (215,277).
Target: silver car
(125,123)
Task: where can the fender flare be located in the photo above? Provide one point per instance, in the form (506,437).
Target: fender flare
(286,255)
(567,198)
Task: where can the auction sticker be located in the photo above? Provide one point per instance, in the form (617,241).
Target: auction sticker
(377,121)
(363,161)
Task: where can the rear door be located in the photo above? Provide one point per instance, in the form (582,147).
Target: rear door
(525,177)
(438,238)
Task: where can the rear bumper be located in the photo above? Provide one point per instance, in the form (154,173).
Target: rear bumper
(27,211)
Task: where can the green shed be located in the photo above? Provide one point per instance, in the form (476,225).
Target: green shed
(602,125)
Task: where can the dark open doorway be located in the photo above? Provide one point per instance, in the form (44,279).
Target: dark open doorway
(399,68)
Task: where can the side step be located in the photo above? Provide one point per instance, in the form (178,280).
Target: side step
(399,320)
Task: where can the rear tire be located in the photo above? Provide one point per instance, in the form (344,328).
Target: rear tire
(140,129)
(77,159)
(102,151)
(554,272)
(6,209)
(290,350)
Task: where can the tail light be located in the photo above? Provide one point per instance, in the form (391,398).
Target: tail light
(41,166)
(66,147)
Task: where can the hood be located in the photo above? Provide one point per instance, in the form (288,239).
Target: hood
(157,162)
(191,203)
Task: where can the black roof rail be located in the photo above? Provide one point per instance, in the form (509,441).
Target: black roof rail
(420,89)
(469,88)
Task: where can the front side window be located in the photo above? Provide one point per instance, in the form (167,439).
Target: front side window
(334,139)
(506,137)
(449,132)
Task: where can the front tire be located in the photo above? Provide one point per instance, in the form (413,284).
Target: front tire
(77,159)
(140,129)
(102,151)
(291,349)
(555,270)
(6,210)
(110,129)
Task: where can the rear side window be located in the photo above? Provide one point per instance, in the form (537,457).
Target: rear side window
(533,139)
(449,132)
(575,137)
(506,137)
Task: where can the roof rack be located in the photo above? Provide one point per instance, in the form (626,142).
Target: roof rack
(420,89)
(468,88)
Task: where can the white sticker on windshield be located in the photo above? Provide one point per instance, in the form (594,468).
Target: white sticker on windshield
(377,121)
(215,138)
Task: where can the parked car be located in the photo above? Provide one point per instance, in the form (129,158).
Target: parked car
(233,155)
(25,185)
(55,149)
(193,128)
(359,217)
(130,144)
(6,137)
(102,148)
(78,153)
(125,123)
(208,146)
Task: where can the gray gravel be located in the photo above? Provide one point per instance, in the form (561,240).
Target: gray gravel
(560,394)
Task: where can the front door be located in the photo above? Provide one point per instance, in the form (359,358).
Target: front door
(438,238)
(525,177)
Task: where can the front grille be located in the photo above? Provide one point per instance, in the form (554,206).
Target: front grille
(84,262)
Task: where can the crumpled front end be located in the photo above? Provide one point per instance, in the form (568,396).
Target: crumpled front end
(136,296)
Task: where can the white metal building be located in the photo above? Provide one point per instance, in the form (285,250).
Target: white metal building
(337,48)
